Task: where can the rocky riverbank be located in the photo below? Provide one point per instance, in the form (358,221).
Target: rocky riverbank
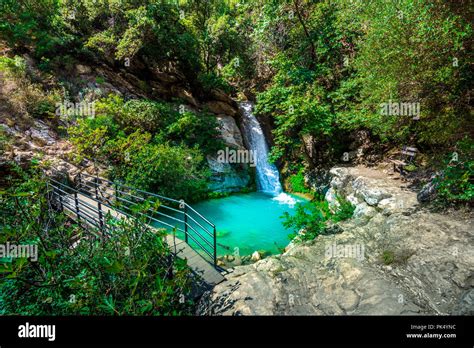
(394,256)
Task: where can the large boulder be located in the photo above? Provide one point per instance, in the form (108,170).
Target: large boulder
(182,93)
(371,195)
(40,134)
(364,186)
(230,132)
(228,177)
(219,95)
(220,107)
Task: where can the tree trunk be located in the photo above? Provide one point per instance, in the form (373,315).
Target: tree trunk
(301,20)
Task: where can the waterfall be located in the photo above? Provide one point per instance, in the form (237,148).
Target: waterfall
(268,178)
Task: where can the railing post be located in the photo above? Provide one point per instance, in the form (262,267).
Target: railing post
(76,200)
(99,205)
(79,181)
(117,194)
(48,194)
(185,223)
(61,201)
(96,186)
(101,217)
(215,247)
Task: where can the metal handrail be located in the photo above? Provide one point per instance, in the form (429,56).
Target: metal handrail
(107,193)
(94,199)
(194,210)
(151,194)
(142,199)
(131,188)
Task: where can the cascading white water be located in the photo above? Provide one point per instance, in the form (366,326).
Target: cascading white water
(268,178)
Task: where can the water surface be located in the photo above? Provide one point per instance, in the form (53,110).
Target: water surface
(249,221)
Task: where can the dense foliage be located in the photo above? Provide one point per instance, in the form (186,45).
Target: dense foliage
(133,273)
(341,60)
(200,39)
(311,219)
(455,183)
(149,145)
(297,183)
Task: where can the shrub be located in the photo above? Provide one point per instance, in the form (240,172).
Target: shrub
(13,66)
(168,159)
(28,98)
(173,171)
(210,81)
(456,184)
(297,182)
(163,121)
(138,159)
(4,140)
(196,130)
(312,217)
(388,257)
(309,217)
(146,115)
(90,136)
(344,211)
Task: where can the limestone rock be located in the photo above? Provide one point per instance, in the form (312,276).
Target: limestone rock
(83,69)
(219,107)
(164,77)
(40,133)
(230,132)
(160,90)
(371,195)
(318,180)
(184,94)
(466,303)
(226,177)
(217,94)
(256,256)
(331,198)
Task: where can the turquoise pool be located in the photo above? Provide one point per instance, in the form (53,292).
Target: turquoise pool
(249,221)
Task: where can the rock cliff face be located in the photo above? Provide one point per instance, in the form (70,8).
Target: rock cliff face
(39,141)
(228,176)
(393,257)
